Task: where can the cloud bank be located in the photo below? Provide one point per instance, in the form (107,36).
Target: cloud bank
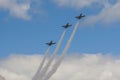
(109,9)
(80,67)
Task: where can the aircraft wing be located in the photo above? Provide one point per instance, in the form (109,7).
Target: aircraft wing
(47,43)
(77,17)
(53,43)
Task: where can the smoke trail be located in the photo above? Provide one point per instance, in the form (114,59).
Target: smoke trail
(57,64)
(41,65)
(46,68)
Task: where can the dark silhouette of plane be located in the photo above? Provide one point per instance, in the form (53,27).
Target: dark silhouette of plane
(80,16)
(51,43)
(67,25)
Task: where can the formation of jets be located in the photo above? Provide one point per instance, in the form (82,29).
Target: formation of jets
(66,26)
(51,43)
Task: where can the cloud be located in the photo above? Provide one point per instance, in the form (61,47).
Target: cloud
(22,9)
(19,67)
(16,8)
(80,67)
(76,3)
(109,13)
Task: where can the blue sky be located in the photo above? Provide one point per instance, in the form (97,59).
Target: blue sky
(27,25)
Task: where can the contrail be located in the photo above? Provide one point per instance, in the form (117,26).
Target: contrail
(41,65)
(57,64)
(46,68)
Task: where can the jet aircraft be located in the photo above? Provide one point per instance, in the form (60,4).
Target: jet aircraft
(67,25)
(51,43)
(80,16)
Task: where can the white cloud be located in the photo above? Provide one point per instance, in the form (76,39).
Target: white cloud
(23,9)
(76,3)
(82,67)
(16,8)
(109,14)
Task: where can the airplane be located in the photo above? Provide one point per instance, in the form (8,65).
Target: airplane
(50,43)
(80,16)
(67,25)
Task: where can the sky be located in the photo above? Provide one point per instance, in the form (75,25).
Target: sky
(26,25)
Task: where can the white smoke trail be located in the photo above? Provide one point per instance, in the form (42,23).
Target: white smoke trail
(46,68)
(42,64)
(57,64)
